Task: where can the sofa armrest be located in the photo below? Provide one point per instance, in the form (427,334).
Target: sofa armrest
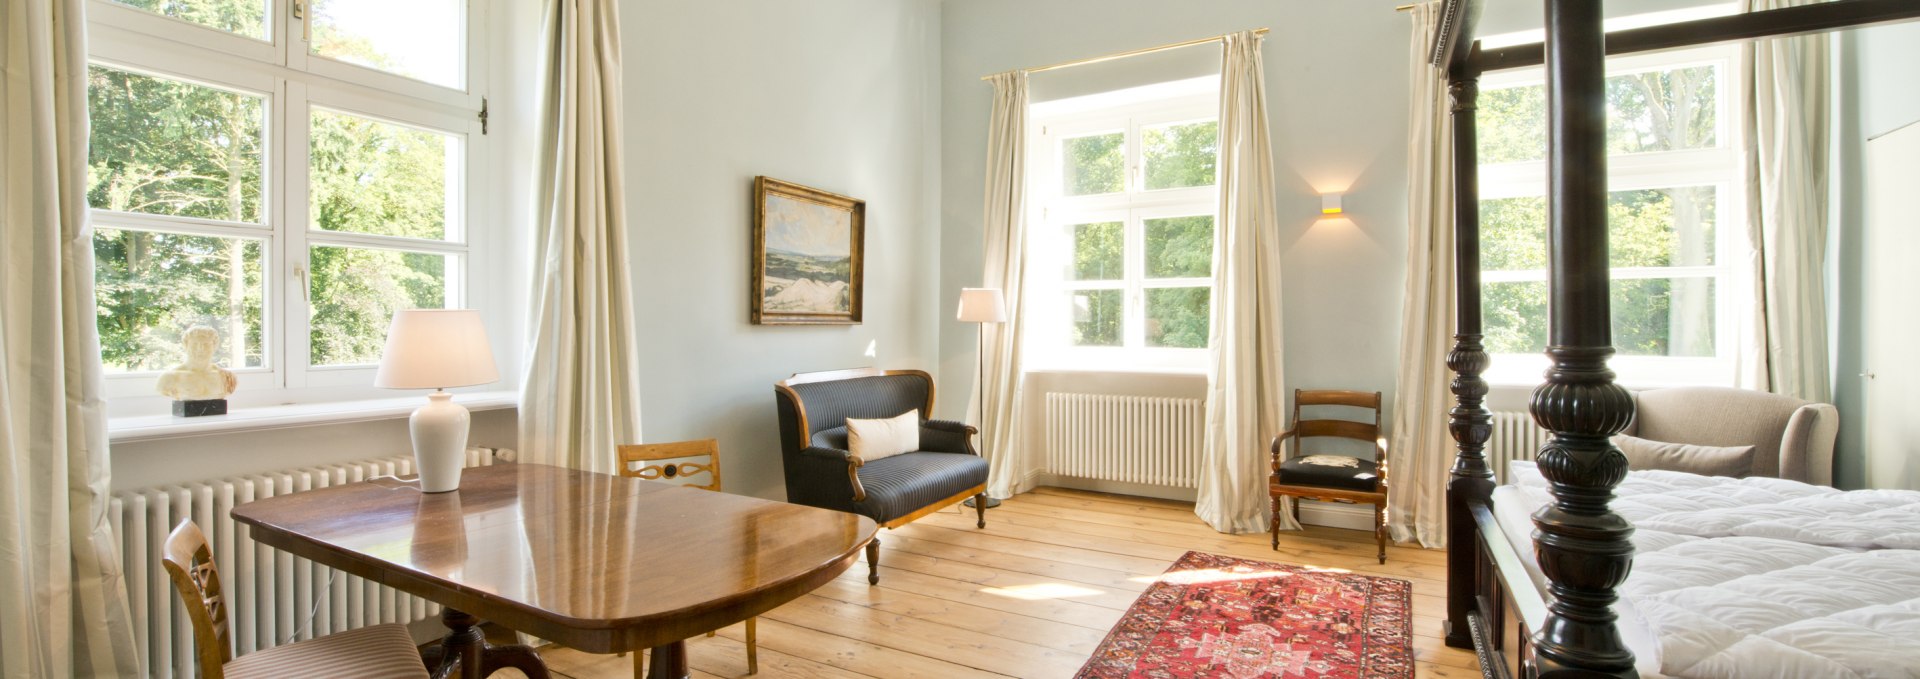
(947,436)
(1806,447)
(827,456)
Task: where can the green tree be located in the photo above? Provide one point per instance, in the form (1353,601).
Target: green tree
(1095,164)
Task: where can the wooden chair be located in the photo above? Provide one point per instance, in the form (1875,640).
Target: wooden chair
(376,651)
(643,461)
(1332,478)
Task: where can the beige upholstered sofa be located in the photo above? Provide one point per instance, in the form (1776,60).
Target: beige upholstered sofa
(1792,439)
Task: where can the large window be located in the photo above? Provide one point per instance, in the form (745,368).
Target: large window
(287,173)
(1122,238)
(1675,218)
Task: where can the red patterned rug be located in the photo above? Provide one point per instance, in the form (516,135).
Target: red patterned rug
(1218,616)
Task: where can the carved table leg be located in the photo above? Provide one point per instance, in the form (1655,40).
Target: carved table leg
(466,654)
(668,662)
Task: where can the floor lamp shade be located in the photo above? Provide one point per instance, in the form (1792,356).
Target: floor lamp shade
(437,349)
(982,305)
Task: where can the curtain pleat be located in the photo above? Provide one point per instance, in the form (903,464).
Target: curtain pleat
(1246,399)
(1421,450)
(1787,129)
(63,599)
(581,393)
(1005,268)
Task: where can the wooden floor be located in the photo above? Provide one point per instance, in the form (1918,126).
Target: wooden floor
(1032,595)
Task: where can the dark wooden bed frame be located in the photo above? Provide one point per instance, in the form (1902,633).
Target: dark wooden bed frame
(1553,617)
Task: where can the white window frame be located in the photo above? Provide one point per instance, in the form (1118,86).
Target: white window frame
(294,83)
(1721,167)
(1052,216)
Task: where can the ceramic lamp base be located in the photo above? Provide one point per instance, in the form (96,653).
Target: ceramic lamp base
(439,442)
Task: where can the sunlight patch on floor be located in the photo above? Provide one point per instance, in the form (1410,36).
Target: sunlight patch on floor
(1037,592)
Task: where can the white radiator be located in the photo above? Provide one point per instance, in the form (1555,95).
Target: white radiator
(270,594)
(1515,437)
(1135,439)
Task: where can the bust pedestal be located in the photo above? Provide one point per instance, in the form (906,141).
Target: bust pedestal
(200,407)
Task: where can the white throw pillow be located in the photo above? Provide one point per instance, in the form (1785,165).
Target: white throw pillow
(871,440)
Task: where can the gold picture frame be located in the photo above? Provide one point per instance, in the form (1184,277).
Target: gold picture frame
(807,255)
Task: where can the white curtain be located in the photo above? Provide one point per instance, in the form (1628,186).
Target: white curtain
(1246,401)
(1787,128)
(63,598)
(1005,268)
(1421,451)
(581,397)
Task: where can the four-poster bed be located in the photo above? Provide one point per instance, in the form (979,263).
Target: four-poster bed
(1549,611)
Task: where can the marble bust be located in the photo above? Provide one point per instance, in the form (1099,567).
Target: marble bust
(197,379)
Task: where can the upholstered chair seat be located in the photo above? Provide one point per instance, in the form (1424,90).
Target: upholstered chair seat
(901,484)
(1331,471)
(380,651)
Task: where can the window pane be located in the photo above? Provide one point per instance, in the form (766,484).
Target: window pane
(355,292)
(419,39)
(1651,317)
(1663,317)
(245,17)
(1515,317)
(1096,317)
(151,286)
(1668,110)
(1650,227)
(1098,252)
(1662,110)
(1094,164)
(167,147)
(1662,227)
(380,178)
(1180,247)
(1179,156)
(1512,124)
(1178,317)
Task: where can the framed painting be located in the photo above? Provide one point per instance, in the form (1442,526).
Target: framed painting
(806,255)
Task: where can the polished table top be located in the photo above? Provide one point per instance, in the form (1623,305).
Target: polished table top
(600,563)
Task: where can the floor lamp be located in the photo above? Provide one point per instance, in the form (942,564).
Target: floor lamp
(982,306)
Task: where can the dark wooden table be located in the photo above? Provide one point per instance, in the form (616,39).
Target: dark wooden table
(596,562)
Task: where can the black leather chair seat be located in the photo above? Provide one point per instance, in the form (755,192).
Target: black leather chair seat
(905,483)
(1301,471)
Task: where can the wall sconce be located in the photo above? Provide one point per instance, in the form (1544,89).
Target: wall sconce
(1330,204)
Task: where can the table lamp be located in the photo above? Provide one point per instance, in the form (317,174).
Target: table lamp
(983,306)
(437,349)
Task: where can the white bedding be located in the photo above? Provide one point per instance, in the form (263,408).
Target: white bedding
(1724,584)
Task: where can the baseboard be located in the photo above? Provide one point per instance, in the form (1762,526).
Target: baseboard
(1337,515)
(1313,513)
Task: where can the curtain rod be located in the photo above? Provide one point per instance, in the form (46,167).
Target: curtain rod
(1404,8)
(1129,53)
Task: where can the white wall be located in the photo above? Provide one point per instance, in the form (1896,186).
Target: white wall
(1336,94)
(839,95)
(1874,94)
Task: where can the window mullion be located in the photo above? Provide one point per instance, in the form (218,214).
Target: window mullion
(293,193)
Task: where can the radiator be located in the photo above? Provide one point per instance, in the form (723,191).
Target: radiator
(1515,437)
(270,594)
(1135,439)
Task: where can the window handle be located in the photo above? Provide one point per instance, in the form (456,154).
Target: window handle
(300,12)
(306,286)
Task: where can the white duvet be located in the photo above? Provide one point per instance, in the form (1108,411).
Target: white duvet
(1760,577)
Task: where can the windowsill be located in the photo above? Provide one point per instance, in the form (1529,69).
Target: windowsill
(1118,370)
(154,427)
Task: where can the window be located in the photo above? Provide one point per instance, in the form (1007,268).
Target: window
(1122,238)
(1675,177)
(289,183)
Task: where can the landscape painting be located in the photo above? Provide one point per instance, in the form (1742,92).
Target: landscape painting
(806,255)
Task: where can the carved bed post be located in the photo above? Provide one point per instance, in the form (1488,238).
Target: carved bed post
(1470,423)
(1584,548)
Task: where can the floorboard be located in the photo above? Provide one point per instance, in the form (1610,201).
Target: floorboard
(1032,595)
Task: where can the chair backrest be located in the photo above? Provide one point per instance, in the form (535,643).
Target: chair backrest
(1788,436)
(642,461)
(814,402)
(1358,430)
(189,564)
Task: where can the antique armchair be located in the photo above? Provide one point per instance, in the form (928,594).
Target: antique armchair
(893,491)
(1304,475)
(653,462)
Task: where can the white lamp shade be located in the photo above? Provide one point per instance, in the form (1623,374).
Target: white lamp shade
(982,305)
(436,349)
